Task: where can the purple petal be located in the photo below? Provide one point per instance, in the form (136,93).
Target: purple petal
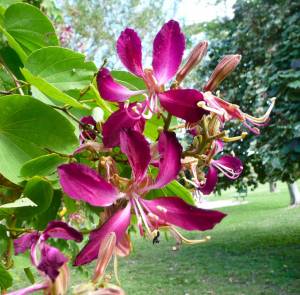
(174,210)
(168,48)
(129,49)
(51,261)
(211,181)
(231,166)
(61,230)
(25,242)
(110,90)
(169,164)
(118,224)
(182,103)
(31,289)
(82,183)
(137,149)
(116,122)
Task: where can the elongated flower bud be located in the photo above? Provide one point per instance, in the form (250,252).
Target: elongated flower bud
(196,55)
(227,64)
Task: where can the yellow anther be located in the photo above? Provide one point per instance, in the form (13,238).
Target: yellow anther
(62,212)
(235,138)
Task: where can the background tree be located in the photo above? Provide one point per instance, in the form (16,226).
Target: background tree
(266,34)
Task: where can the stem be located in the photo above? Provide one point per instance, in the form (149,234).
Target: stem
(167,122)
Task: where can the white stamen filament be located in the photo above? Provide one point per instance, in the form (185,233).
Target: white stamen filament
(229,172)
(152,234)
(202,104)
(179,237)
(138,216)
(266,116)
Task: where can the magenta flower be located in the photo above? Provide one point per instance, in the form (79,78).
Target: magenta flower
(168,49)
(227,111)
(51,259)
(82,183)
(230,166)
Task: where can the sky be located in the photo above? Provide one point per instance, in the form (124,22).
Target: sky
(195,11)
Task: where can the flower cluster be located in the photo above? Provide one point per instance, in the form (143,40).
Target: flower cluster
(125,197)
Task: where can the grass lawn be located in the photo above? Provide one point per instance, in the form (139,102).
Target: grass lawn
(255,250)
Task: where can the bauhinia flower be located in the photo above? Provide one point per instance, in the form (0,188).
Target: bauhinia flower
(47,259)
(128,195)
(225,110)
(51,259)
(230,166)
(168,49)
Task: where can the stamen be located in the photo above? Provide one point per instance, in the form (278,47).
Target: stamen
(229,172)
(203,105)
(235,138)
(146,221)
(105,253)
(116,269)
(179,237)
(266,116)
(138,216)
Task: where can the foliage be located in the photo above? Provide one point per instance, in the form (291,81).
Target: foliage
(266,34)
(92,151)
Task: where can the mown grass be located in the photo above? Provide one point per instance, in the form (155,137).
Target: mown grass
(254,251)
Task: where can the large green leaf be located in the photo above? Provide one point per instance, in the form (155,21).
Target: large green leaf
(27,128)
(5,278)
(39,191)
(54,70)
(29,27)
(42,166)
(129,80)
(20,203)
(172,189)
(3,239)
(44,218)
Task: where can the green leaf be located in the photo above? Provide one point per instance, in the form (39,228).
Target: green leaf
(172,189)
(63,68)
(294,84)
(20,203)
(50,90)
(129,80)
(151,128)
(3,239)
(51,213)
(42,166)
(39,191)
(29,27)
(55,70)
(5,278)
(14,45)
(27,127)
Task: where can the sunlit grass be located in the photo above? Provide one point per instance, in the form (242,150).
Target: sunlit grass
(254,251)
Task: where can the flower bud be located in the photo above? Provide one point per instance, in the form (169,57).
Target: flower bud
(98,114)
(193,59)
(227,64)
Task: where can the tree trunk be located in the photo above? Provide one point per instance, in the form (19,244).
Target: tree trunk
(294,194)
(273,186)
